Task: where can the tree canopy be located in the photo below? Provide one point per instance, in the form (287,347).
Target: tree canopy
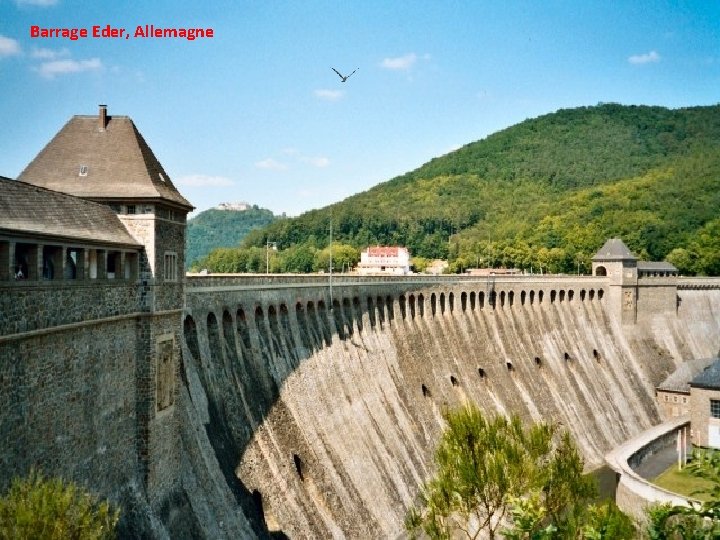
(545,193)
(496,474)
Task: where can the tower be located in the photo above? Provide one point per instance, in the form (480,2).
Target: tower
(106,160)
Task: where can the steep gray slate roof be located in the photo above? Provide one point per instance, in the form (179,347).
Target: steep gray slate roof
(614,250)
(29,209)
(679,380)
(652,266)
(120,164)
(709,378)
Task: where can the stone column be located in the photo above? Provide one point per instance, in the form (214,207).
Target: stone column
(7,254)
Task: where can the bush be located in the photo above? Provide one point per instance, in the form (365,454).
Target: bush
(39,507)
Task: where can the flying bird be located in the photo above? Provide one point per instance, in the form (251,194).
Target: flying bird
(343,78)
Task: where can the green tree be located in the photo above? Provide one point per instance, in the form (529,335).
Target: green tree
(489,468)
(39,507)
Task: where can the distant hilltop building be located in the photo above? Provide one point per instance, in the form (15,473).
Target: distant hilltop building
(384,260)
(240,206)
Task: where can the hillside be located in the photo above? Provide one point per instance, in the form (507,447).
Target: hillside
(214,228)
(547,193)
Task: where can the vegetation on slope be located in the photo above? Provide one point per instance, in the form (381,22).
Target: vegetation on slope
(546,193)
(214,229)
(39,507)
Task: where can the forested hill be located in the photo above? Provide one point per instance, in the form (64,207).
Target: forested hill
(214,228)
(547,192)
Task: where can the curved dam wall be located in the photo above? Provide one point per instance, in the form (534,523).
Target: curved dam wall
(323,421)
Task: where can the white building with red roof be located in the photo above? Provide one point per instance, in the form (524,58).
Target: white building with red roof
(384,260)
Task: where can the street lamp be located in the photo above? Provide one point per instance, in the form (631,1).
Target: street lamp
(268,243)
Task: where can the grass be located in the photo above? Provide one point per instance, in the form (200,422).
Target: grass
(684,483)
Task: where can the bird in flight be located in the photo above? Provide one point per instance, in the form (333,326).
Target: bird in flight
(343,78)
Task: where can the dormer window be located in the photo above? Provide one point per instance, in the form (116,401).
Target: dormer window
(83,170)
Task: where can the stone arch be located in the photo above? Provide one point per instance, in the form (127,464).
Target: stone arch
(421,305)
(213,335)
(562,295)
(553,295)
(451,301)
(582,295)
(472,301)
(540,296)
(401,301)
(511,298)
(600,271)
(481,300)
(242,328)
(600,294)
(389,308)
(191,339)
(492,299)
(442,303)
(229,335)
(502,299)
(411,304)
(432,304)
(522,298)
(532,297)
(463,301)
(591,295)
(571,295)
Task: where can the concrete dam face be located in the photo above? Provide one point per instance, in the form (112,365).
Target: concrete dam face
(321,409)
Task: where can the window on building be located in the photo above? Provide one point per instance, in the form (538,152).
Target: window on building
(170,266)
(715,408)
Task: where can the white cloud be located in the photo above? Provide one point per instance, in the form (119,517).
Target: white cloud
(61,67)
(204,180)
(41,3)
(400,62)
(329,95)
(49,54)
(270,164)
(8,46)
(646,58)
(319,162)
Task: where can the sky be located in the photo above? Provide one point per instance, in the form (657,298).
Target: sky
(256,113)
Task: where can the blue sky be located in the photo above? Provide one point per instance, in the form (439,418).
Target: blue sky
(256,114)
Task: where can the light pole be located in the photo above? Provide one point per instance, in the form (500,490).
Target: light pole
(268,243)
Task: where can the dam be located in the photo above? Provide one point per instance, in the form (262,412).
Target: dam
(327,410)
(273,406)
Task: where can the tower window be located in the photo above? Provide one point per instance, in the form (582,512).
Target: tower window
(83,170)
(715,408)
(170,273)
(131,209)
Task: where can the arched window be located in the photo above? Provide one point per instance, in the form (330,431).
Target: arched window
(600,271)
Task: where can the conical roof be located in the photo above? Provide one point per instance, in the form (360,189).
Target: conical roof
(100,163)
(614,250)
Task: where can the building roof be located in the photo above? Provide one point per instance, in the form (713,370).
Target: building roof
(709,377)
(652,266)
(382,251)
(614,250)
(118,163)
(679,380)
(31,210)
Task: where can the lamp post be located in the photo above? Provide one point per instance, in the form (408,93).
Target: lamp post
(268,243)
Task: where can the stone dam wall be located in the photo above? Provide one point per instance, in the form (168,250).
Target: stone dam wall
(295,411)
(328,418)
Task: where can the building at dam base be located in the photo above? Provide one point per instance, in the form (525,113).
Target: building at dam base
(225,407)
